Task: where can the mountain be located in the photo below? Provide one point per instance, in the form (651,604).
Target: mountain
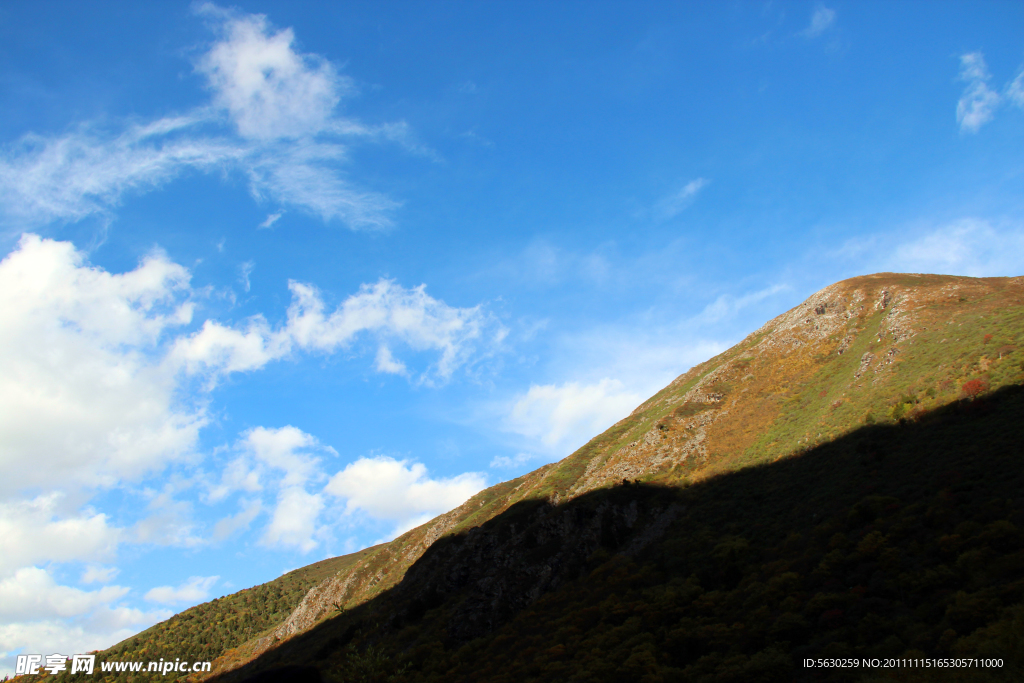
(845,482)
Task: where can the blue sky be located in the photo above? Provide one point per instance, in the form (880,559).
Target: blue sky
(282,280)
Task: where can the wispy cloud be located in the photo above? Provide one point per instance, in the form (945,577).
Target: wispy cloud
(977,105)
(676,202)
(194,590)
(970,246)
(1015,91)
(244,271)
(821,20)
(271,118)
(563,416)
(979,102)
(728,305)
(271,219)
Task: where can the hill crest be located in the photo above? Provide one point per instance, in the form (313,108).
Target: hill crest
(873,349)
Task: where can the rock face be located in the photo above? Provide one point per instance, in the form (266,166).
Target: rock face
(852,352)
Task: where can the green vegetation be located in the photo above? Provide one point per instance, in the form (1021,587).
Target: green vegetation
(849,476)
(204,632)
(897,541)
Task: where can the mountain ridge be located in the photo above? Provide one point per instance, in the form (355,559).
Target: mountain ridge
(859,352)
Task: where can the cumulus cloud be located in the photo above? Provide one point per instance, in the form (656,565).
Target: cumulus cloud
(49,529)
(196,589)
(293,522)
(563,417)
(99,574)
(268,89)
(281,449)
(105,385)
(275,461)
(38,612)
(677,201)
(83,400)
(93,631)
(399,491)
(32,593)
(977,105)
(384,310)
(822,18)
(271,119)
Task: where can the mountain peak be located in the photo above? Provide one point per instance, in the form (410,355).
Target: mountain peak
(887,348)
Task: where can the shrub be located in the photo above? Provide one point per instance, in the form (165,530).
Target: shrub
(974,387)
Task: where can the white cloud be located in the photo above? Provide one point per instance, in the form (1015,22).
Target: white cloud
(49,529)
(400,492)
(195,590)
(268,89)
(99,574)
(286,140)
(37,614)
(675,203)
(294,520)
(169,522)
(31,593)
(88,171)
(304,173)
(244,271)
(78,636)
(229,525)
(387,363)
(280,449)
(727,305)
(563,417)
(967,247)
(385,310)
(822,18)
(241,474)
(83,400)
(278,460)
(977,105)
(513,462)
(97,365)
(271,219)
(1015,91)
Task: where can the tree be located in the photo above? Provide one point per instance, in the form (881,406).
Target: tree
(972,388)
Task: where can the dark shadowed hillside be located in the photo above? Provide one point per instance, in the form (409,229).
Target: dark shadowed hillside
(895,541)
(843,482)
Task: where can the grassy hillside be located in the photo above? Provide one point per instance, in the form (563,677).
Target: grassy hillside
(895,541)
(856,365)
(207,631)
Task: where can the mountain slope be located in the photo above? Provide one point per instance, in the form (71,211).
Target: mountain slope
(894,542)
(871,350)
